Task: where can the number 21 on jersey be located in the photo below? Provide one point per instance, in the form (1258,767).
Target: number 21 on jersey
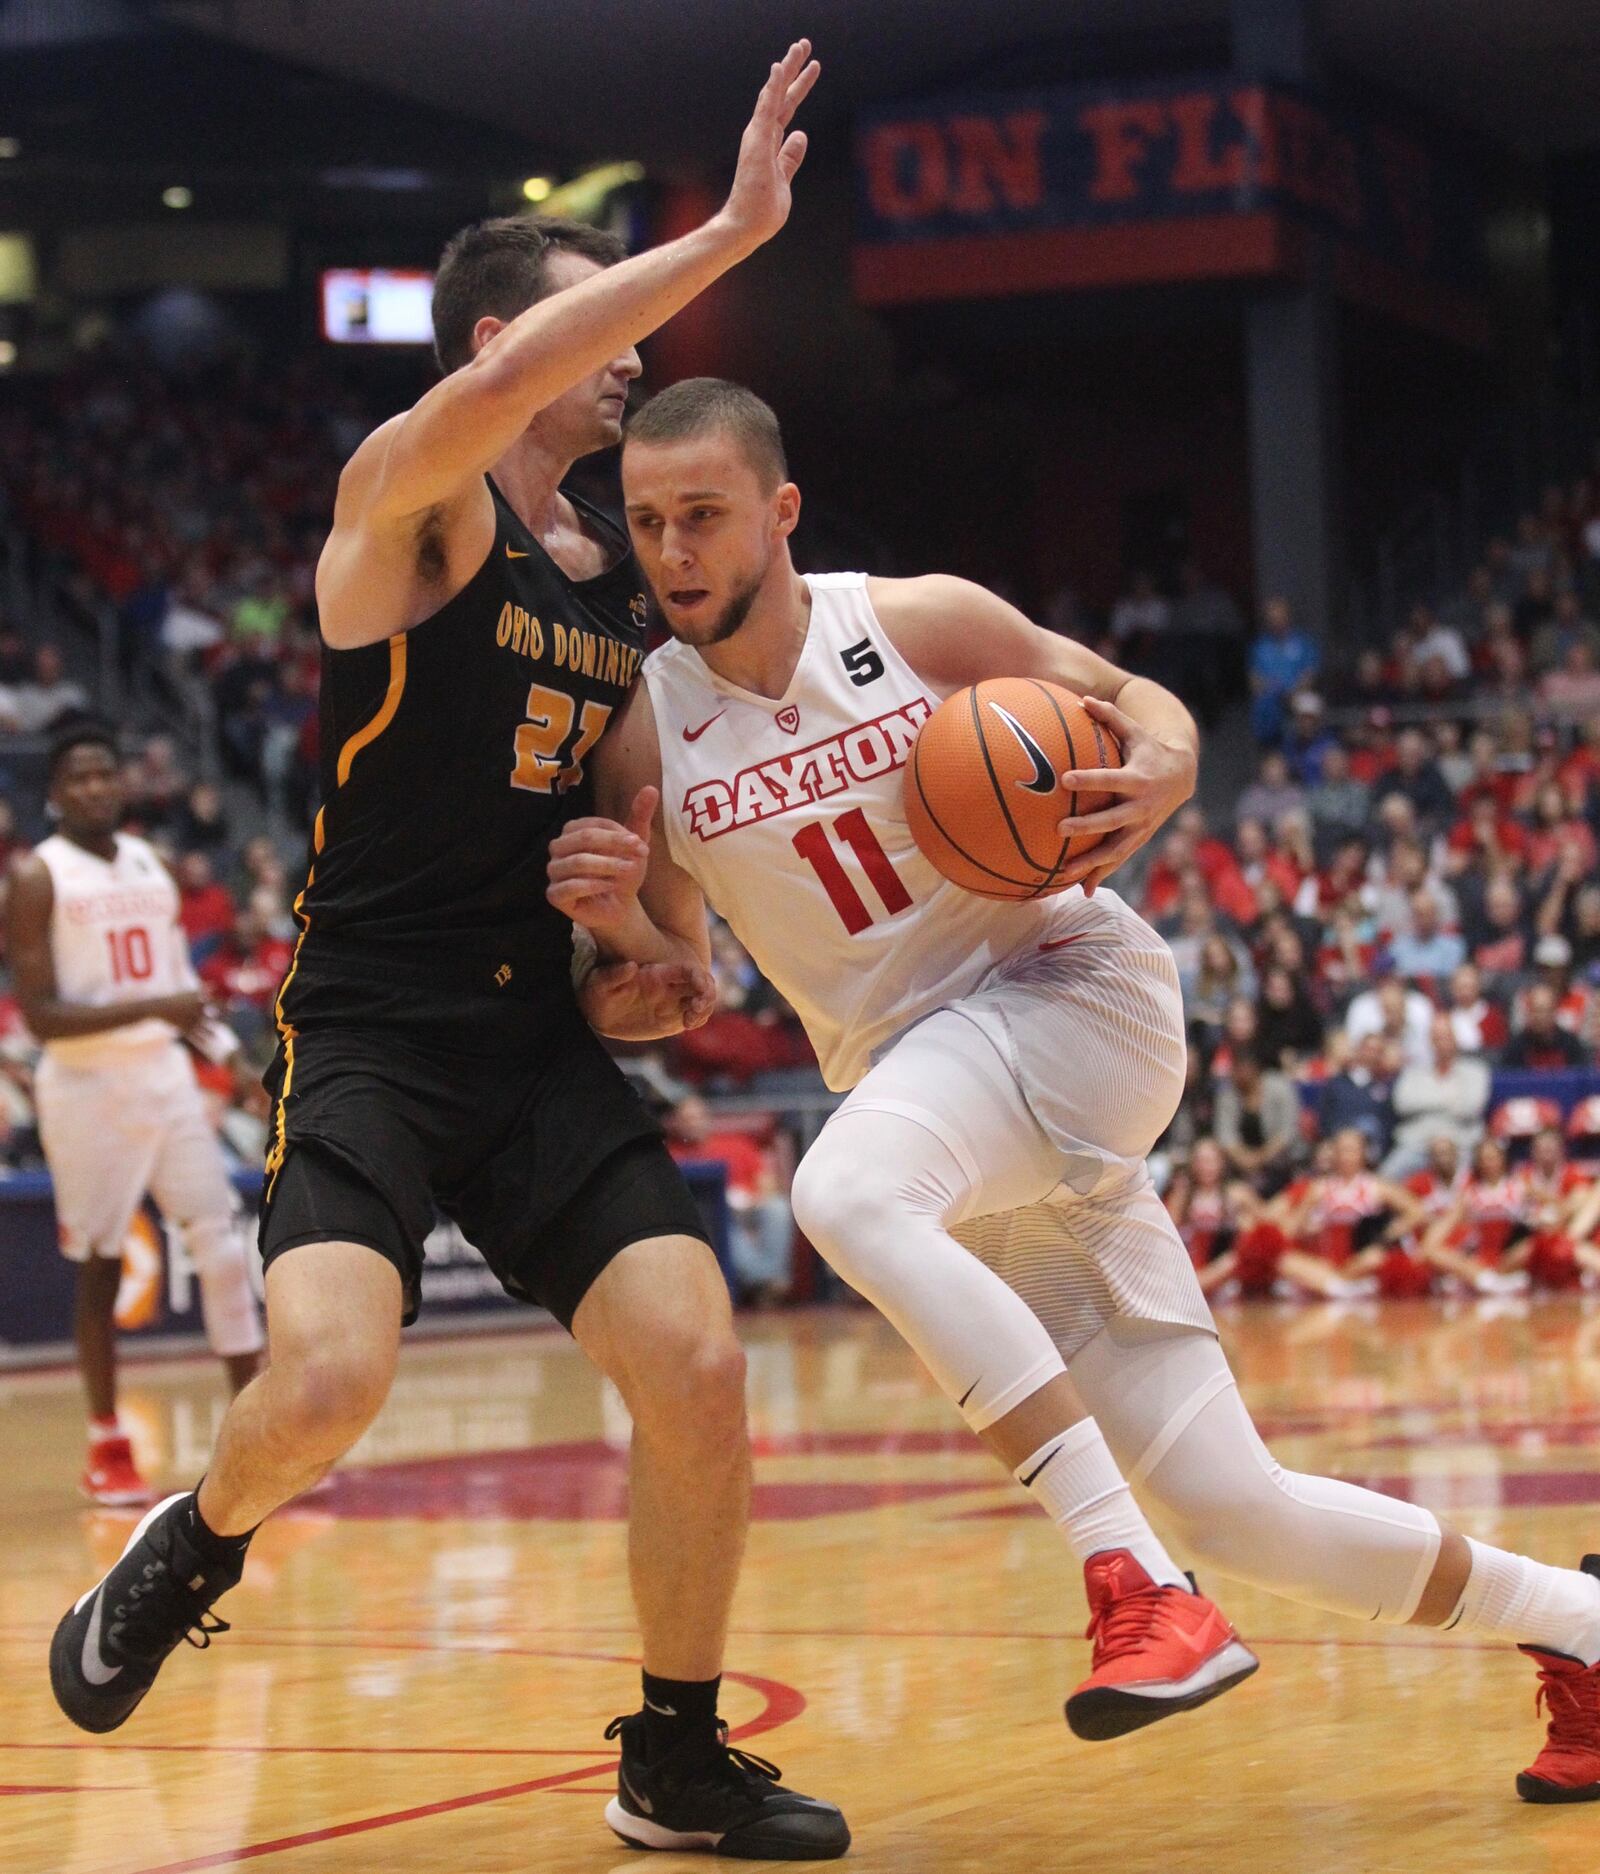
(543,764)
(814,846)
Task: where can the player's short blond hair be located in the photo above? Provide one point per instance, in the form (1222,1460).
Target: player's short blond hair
(698,405)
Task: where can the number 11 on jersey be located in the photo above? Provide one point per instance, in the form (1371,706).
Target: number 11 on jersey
(812,844)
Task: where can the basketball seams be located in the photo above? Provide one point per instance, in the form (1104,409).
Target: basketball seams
(1023,854)
(938,826)
(961,779)
(1072,755)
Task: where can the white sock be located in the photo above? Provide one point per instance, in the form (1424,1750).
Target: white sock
(1076,1480)
(102,1429)
(1530,1603)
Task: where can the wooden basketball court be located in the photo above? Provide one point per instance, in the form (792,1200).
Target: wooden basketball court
(424,1660)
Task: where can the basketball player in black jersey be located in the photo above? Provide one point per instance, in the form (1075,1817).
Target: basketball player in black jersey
(481,625)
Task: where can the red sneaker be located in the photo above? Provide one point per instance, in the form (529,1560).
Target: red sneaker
(1568,1768)
(111,1477)
(1157,1650)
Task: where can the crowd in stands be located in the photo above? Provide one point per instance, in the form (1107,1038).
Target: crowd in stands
(194,514)
(1401,909)
(1390,954)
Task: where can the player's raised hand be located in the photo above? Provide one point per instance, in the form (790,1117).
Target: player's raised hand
(770,152)
(597,866)
(1154,781)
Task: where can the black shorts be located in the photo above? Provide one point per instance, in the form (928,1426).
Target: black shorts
(524,1134)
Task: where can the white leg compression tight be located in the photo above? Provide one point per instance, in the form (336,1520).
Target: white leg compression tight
(1172,1415)
(937,1131)
(874,1204)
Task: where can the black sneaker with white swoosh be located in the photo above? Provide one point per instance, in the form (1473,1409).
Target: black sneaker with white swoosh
(706,1797)
(110,1646)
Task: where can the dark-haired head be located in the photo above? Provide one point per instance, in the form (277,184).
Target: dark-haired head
(85,732)
(497,269)
(86,790)
(490,274)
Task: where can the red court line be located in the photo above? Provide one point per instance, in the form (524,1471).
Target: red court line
(783,1703)
(56,1789)
(253,1851)
(322,1750)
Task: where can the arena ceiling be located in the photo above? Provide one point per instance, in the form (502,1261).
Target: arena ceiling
(667,80)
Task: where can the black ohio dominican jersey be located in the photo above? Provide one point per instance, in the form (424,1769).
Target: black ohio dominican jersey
(431,1052)
(451,755)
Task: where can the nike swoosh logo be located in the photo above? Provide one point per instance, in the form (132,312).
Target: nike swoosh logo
(514,553)
(1035,1472)
(694,735)
(1057,943)
(644,1802)
(667,1711)
(1214,1633)
(95,1669)
(968,1393)
(1044,776)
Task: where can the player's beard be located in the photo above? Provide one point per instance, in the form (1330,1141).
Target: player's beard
(726,622)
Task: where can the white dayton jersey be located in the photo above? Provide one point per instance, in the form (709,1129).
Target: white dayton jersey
(114,937)
(789,814)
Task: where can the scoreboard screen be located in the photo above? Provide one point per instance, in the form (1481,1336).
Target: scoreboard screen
(377,306)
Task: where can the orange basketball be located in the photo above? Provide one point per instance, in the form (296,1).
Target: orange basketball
(983,794)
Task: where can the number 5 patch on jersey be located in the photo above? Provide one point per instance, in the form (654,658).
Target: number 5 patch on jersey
(862,662)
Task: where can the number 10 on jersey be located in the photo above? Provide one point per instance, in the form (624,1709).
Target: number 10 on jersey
(131,961)
(813,845)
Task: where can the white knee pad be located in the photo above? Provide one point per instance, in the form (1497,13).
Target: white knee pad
(227,1300)
(1172,1415)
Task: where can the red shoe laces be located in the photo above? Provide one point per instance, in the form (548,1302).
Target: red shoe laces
(1123,1625)
(1572,1700)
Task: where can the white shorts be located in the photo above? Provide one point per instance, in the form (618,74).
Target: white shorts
(115,1131)
(1090,1020)
(1089,1032)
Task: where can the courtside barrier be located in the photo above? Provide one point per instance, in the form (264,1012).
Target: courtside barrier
(158,1305)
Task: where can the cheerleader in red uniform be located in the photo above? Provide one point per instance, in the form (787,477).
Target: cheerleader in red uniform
(1211,1211)
(1248,1264)
(1437,1187)
(1348,1229)
(1404,1273)
(1488,1220)
(1562,1207)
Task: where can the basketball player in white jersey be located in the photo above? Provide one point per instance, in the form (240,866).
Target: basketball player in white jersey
(104,979)
(1011,1064)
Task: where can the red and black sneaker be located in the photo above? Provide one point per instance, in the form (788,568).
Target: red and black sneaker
(1157,1650)
(1568,1768)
